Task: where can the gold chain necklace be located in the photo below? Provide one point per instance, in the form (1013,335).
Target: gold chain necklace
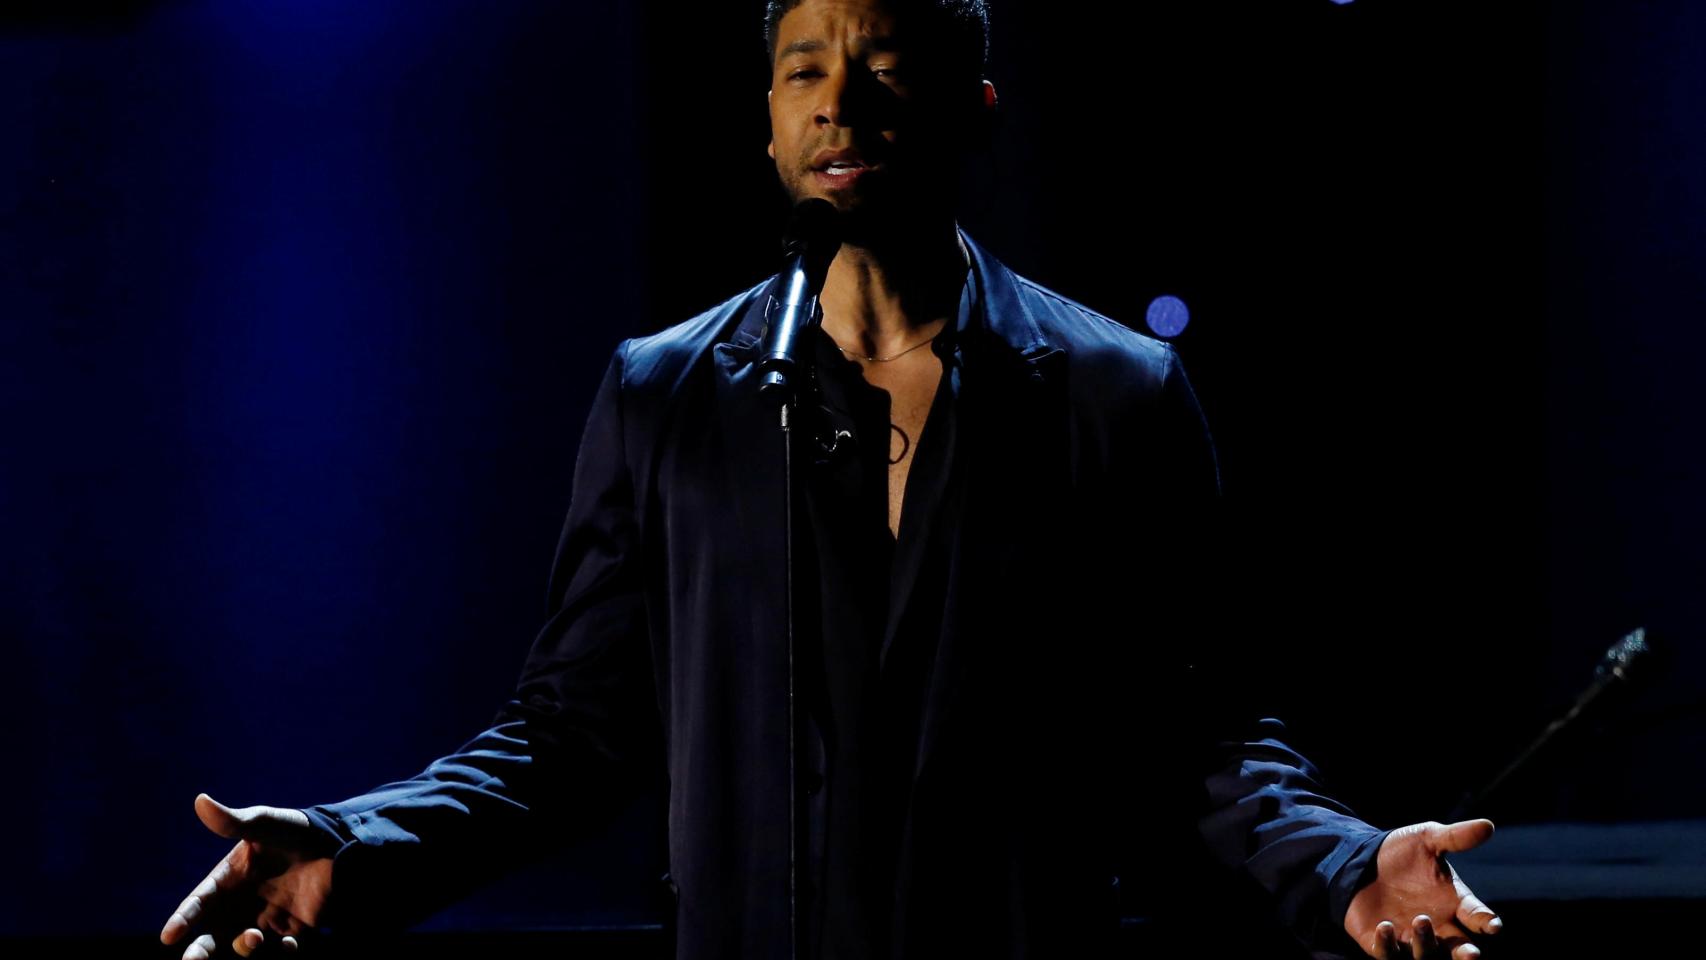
(892,356)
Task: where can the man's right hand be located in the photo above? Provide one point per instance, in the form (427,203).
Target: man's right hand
(270,889)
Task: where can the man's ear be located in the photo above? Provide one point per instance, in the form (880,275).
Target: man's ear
(988,115)
(772,148)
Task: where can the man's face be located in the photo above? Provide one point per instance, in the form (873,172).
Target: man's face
(859,111)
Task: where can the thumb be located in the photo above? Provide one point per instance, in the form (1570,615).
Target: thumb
(218,817)
(1463,835)
(261,824)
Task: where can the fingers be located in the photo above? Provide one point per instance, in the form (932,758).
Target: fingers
(1475,916)
(276,919)
(251,941)
(247,944)
(1423,943)
(1426,942)
(225,875)
(1463,835)
(1386,942)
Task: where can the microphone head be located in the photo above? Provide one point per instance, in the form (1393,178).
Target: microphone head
(1627,657)
(813,225)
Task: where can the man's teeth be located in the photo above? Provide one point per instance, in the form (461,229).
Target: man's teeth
(843,166)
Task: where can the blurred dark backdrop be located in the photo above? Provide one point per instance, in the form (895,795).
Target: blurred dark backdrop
(301,308)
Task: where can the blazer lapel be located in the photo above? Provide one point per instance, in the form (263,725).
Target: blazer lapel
(752,434)
(751,451)
(1012,446)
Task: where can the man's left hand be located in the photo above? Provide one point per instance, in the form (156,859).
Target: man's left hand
(1417,907)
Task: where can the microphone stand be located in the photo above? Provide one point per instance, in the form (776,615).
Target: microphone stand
(810,245)
(787,417)
(1617,670)
(786,422)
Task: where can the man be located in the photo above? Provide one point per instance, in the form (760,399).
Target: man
(1007,724)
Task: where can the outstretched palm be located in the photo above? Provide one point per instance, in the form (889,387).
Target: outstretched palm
(1417,906)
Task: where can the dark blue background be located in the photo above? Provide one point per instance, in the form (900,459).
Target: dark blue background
(301,308)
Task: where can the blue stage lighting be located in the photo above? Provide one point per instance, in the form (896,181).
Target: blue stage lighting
(1167,316)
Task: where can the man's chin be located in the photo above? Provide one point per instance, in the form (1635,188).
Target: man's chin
(868,218)
(860,208)
(842,200)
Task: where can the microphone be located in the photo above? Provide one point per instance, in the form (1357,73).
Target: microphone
(811,241)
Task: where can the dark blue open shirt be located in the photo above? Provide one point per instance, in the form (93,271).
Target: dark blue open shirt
(880,608)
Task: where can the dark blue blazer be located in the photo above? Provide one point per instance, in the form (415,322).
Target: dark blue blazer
(1084,751)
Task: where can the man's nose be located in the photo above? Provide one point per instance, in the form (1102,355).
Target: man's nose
(845,96)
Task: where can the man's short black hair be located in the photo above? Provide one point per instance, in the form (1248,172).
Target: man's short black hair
(963,26)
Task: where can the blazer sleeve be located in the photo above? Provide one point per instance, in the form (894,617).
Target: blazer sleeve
(563,754)
(1260,804)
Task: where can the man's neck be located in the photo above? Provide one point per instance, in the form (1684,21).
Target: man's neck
(880,300)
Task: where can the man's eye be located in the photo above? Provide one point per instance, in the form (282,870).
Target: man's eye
(801,73)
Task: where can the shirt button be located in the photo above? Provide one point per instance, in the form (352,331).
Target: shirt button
(814,783)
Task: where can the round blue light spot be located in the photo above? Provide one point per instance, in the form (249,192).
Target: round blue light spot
(1167,316)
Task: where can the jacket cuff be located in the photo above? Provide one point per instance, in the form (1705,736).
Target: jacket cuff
(336,833)
(1344,879)
(1356,872)
(345,832)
